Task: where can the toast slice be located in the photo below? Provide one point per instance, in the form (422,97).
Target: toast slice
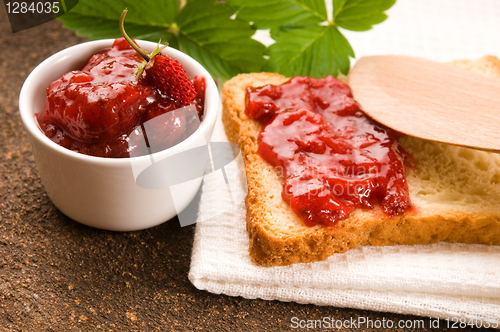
(455,192)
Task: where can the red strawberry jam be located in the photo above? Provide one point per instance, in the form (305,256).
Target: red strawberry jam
(94,110)
(332,156)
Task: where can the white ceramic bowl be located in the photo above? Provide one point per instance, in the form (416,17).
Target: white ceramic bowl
(102,192)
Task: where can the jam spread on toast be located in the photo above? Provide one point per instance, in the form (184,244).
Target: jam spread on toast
(332,156)
(94,110)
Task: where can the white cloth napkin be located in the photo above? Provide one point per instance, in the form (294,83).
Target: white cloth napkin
(439,280)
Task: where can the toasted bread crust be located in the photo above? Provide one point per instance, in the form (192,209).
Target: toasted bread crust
(279,237)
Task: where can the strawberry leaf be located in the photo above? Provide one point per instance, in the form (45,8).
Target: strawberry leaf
(265,14)
(314,51)
(203,29)
(217,41)
(219,33)
(306,41)
(148,20)
(360,15)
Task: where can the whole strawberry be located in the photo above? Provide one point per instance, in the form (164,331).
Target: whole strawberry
(163,72)
(170,78)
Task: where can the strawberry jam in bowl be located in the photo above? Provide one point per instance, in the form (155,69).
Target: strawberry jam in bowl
(95,124)
(95,110)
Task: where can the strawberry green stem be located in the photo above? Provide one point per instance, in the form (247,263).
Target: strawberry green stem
(129,40)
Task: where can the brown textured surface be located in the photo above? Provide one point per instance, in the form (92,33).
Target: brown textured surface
(58,275)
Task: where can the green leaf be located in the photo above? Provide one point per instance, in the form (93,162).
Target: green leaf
(307,43)
(265,14)
(217,41)
(360,15)
(148,20)
(204,29)
(337,7)
(314,51)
